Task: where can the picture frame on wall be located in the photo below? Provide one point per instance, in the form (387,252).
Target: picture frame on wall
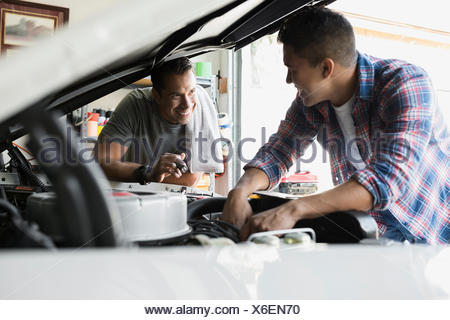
(22,23)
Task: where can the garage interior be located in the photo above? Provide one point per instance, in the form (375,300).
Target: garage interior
(238,82)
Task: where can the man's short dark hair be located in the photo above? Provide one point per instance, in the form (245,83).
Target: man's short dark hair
(175,66)
(319,33)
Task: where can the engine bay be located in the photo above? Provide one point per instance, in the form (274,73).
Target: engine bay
(152,215)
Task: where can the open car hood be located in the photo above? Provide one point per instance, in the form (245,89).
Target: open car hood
(85,62)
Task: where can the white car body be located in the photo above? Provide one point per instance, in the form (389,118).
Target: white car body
(245,271)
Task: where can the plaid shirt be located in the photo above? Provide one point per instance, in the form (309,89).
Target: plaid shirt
(402,139)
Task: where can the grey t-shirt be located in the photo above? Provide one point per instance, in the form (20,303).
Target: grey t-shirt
(136,123)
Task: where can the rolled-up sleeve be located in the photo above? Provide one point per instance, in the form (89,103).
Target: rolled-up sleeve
(406,109)
(294,135)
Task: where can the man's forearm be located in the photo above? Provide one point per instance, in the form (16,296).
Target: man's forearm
(348,196)
(109,155)
(186,179)
(120,171)
(253,180)
(126,172)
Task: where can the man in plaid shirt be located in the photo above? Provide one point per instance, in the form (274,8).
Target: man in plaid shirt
(388,143)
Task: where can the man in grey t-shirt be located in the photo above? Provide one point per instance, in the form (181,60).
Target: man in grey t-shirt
(144,140)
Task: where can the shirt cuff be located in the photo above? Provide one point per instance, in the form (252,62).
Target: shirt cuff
(270,168)
(382,195)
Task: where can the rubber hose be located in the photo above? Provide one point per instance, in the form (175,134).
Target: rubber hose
(27,171)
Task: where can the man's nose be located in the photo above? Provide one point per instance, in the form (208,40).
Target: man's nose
(187,101)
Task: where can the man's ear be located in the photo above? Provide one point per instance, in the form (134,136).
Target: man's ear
(156,95)
(327,66)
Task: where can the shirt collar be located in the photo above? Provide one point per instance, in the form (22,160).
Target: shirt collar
(366,78)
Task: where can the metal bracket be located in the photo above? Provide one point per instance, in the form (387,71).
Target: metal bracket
(7,178)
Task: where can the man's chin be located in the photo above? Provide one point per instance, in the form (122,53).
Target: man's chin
(309,102)
(184,120)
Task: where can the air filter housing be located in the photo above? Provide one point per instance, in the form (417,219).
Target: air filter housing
(144,216)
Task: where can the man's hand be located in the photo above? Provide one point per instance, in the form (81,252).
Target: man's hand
(347,196)
(166,166)
(237,208)
(110,156)
(282,217)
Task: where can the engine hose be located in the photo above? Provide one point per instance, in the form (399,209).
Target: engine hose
(198,208)
(30,174)
(15,155)
(204,206)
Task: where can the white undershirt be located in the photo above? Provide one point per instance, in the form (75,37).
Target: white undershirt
(345,119)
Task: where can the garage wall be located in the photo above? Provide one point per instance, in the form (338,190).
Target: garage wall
(79,9)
